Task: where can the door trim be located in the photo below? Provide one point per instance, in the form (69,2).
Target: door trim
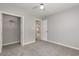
(21,24)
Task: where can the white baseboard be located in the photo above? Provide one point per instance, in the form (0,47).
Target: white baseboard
(11,43)
(29,42)
(62,44)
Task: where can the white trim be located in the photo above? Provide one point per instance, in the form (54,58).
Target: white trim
(22,31)
(22,25)
(11,43)
(3,12)
(62,44)
(0,32)
(29,42)
(0,47)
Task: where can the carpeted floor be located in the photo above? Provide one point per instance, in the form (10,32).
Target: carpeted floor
(39,48)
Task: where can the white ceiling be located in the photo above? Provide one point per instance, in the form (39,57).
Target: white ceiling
(50,8)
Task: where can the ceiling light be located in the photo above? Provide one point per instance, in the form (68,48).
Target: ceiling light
(41,6)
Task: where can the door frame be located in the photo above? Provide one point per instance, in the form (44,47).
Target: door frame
(21,26)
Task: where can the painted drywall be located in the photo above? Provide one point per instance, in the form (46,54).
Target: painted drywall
(29,34)
(63,27)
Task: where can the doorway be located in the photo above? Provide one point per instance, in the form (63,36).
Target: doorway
(11,29)
(38,29)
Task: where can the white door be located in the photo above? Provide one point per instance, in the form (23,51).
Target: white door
(44,30)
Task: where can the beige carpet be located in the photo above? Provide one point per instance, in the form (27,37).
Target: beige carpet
(39,48)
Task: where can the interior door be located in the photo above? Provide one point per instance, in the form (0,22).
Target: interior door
(11,29)
(44,30)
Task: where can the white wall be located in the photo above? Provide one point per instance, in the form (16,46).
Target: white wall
(29,34)
(63,27)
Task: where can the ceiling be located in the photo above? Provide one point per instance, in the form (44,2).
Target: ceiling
(50,8)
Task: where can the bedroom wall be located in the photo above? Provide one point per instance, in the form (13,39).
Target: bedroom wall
(29,34)
(63,27)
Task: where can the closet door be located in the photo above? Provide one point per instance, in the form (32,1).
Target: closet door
(11,29)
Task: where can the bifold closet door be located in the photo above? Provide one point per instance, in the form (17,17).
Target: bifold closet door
(11,29)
